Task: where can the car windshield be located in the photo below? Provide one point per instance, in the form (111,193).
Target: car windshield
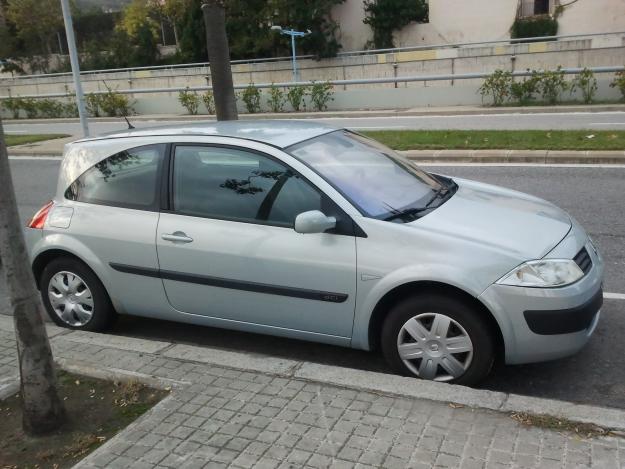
(378,181)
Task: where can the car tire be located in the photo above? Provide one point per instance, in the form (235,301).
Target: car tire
(74,296)
(433,355)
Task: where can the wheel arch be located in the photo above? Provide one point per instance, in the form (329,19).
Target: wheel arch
(405,290)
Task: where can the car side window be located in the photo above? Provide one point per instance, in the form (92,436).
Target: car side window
(232,184)
(127,179)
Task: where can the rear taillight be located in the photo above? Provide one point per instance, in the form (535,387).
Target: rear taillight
(39,219)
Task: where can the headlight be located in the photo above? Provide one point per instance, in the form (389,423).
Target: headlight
(543,273)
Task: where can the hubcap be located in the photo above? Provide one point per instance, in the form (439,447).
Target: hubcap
(70,298)
(434,346)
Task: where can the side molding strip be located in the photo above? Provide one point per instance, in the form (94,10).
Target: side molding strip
(232,284)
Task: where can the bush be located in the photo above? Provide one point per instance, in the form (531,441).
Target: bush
(551,84)
(209,101)
(189,100)
(523,91)
(251,98)
(29,105)
(496,85)
(619,82)
(115,104)
(93,103)
(13,105)
(50,108)
(276,99)
(538,26)
(70,109)
(586,83)
(321,95)
(296,95)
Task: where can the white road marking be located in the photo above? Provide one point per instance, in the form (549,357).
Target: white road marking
(357,127)
(14,131)
(530,165)
(614,296)
(45,158)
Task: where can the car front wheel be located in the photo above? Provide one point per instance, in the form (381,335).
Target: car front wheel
(74,297)
(438,338)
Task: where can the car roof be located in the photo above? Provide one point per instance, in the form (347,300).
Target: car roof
(278,133)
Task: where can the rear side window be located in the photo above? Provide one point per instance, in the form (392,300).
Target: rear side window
(127,179)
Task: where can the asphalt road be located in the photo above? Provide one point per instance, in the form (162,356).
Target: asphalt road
(593,195)
(547,121)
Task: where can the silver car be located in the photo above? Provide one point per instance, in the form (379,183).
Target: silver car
(302,230)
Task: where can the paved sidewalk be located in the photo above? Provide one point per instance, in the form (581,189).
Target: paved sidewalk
(226,417)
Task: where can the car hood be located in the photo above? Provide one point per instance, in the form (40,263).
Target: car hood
(519,224)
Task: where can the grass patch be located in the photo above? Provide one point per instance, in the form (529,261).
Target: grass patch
(585,430)
(501,139)
(23,139)
(96,411)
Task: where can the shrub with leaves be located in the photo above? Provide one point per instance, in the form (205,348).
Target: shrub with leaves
(586,82)
(523,91)
(29,105)
(70,109)
(321,95)
(209,101)
(189,100)
(619,82)
(497,86)
(276,99)
(551,85)
(115,104)
(50,108)
(13,105)
(93,103)
(296,95)
(251,98)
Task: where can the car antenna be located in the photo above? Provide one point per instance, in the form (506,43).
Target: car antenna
(130,126)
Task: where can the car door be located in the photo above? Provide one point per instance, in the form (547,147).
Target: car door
(227,248)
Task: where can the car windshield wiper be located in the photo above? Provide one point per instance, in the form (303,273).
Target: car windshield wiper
(413,211)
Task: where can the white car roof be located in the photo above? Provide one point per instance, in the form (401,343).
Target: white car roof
(279,133)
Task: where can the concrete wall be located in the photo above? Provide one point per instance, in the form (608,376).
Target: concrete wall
(597,51)
(477,20)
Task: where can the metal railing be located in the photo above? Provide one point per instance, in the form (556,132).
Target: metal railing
(340,54)
(362,81)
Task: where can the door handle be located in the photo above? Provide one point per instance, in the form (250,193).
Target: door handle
(177,237)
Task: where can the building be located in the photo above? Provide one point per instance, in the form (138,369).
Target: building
(456,21)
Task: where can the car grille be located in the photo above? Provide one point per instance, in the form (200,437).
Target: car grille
(583,260)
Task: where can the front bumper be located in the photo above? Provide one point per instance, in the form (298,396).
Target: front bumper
(540,324)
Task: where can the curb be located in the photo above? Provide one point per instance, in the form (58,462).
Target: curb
(433,111)
(380,383)
(512,157)
(547,157)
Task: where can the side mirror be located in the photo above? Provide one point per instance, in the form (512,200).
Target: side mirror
(313,221)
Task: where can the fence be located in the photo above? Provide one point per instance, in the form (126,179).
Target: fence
(345,54)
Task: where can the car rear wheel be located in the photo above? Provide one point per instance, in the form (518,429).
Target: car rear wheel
(438,338)
(74,297)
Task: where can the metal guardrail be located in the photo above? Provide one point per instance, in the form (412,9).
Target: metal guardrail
(340,54)
(362,81)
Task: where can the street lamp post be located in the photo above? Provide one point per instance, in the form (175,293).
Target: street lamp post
(73,58)
(293,34)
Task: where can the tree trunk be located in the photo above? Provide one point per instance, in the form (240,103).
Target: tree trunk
(219,58)
(43,411)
